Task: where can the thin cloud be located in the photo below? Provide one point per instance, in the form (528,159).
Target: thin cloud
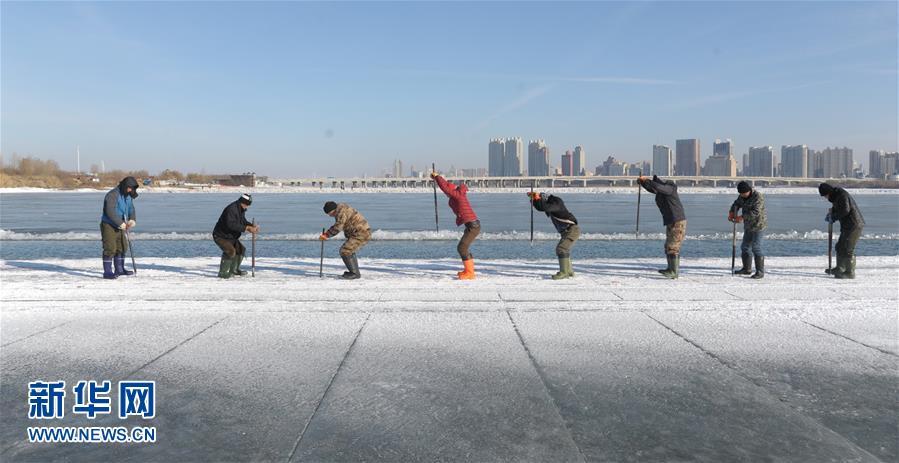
(618,80)
(728,96)
(518,103)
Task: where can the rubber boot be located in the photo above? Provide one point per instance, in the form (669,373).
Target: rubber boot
(673,264)
(842,266)
(759,268)
(225,266)
(747,265)
(108,272)
(235,266)
(352,266)
(468,273)
(849,274)
(119,264)
(667,269)
(564,269)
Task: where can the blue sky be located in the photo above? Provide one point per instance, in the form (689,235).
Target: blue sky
(344,88)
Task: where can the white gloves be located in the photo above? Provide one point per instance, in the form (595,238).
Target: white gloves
(123,226)
(131,224)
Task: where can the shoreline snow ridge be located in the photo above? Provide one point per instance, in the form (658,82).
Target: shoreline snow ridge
(398,190)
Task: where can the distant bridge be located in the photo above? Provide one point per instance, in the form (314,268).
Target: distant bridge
(552,182)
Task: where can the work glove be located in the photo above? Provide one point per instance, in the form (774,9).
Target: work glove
(828,218)
(323,237)
(132,224)
(534,196)
(123,226)
(730,216)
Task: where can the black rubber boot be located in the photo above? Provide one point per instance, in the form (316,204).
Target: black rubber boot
(225,267)
(759,268)
(849,274)
(352,265)
(673,264)
(119,265)
(842,266)
(108,272)
(747,265)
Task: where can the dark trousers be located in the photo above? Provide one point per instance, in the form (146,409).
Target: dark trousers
(230,248)
(846,243)
(472,230)
(752,241)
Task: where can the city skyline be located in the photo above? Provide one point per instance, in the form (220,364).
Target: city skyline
(239,87)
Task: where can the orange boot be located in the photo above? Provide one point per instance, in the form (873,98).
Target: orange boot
(468,273)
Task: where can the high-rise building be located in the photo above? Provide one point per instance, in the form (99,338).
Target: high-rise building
(723,148)
(662,162)
(794,159)
(875,161)
(538,159)
(720,166)
(567,163)
(580,161)
(397,168)
(513,159)
(496,155)
(687,154)
(761,162)
(815,169)
(836,162)
(889,165)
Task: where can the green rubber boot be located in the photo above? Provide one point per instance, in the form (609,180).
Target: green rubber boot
(564,269)
(673,264)
(225,267)
(235,266)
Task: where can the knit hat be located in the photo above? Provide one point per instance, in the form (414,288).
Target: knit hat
(743,187)
(246,199)
(824,189)
(330,206)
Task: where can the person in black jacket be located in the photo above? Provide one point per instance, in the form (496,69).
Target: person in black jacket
(566,225)
(846,212)
(231,224)
(672,216)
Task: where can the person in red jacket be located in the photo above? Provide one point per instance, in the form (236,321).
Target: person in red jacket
(458,202)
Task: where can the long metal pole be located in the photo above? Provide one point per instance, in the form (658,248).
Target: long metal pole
(830,242)
(321,259)
(532,212)
(733,248)
(253,268)
(436,218)
(131,250)
(639,191)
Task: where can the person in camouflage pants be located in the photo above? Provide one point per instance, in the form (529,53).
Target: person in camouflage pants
(673,217)
(755,220)
(356,230)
